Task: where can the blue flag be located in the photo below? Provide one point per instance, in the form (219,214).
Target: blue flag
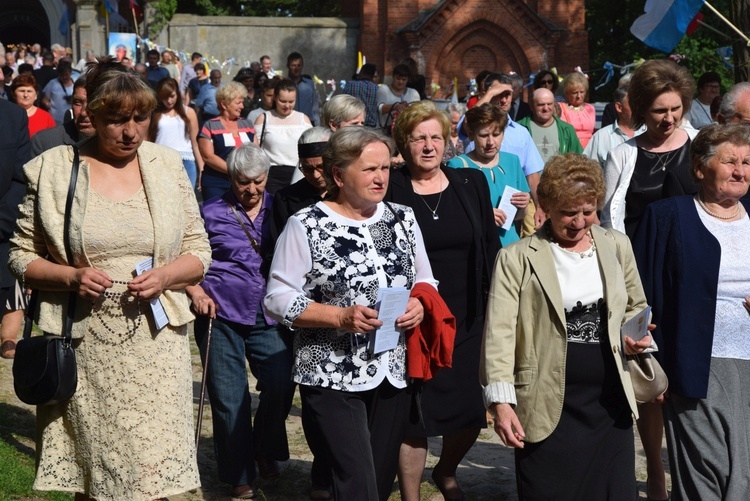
(664,22)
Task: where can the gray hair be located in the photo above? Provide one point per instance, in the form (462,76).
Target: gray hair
(345,147)
(341,108)
(703,147)
(729,102)
(315,135)
(625,80)
(459,108)
(248,161)
(621,94)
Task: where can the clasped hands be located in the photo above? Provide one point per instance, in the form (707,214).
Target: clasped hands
(362,319)
(90,283)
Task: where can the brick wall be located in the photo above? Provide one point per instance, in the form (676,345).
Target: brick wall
(462,37)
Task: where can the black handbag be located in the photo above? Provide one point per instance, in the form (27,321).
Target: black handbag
(44,368)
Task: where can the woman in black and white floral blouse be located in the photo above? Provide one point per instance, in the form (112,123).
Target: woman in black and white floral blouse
(329,264)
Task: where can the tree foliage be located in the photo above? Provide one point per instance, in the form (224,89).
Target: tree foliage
(163,10)
(610,40)
(262,8)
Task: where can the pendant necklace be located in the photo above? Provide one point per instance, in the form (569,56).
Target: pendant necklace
(435,217)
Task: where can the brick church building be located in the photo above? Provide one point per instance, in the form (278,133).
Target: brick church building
(459,38)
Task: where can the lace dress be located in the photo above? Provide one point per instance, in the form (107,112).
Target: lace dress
(127,431)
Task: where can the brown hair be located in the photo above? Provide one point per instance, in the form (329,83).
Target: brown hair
(24,80)
(111,87)
(652,79)
(484,115)
(164,89)
(570,178)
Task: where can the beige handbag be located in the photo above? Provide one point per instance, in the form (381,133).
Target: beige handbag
(649,379)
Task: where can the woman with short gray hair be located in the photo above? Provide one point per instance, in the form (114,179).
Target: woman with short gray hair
(232,295)
(343,110)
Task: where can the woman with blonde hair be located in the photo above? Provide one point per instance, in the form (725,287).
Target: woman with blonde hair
(220,136)
(576,111)
(453,209)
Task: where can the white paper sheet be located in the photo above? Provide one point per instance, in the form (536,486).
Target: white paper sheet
(391,304)
(637,327)
(160,316)
(507,207)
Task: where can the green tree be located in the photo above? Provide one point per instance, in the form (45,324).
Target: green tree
(262,8)
(610,40)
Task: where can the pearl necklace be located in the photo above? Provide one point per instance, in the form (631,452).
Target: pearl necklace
(584,254)
(719,216)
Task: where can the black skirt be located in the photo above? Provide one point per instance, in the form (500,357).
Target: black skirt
(590,454)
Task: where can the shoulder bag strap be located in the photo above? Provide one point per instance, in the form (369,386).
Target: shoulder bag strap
(265,126)
(72,298)
(253,242)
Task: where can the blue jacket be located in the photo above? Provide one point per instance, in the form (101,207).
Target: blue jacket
(678,259)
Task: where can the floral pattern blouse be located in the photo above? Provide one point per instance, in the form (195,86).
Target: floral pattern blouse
(324,257)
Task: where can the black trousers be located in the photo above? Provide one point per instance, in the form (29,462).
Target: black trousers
(359,434)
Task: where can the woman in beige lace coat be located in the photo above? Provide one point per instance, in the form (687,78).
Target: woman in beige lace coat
(127,431)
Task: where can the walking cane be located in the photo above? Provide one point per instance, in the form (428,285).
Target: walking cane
(202,398)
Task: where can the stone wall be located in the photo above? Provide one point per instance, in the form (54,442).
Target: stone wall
(328,45)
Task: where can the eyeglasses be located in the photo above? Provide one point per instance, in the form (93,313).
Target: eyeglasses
(309,169)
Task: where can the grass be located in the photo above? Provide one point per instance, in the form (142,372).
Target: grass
(16,456)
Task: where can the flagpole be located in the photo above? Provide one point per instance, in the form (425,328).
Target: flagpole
(708,27)
(744,37)
(106,25)
(135,21)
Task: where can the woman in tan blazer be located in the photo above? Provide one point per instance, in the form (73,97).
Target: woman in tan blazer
(127,431)
(552,366)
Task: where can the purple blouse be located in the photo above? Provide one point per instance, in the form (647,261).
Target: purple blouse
(235,280)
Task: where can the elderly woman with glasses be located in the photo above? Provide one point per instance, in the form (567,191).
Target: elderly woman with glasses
(238,225)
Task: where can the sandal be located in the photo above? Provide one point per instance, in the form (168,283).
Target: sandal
(8,349)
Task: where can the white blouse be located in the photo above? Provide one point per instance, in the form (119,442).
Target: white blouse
(322,256)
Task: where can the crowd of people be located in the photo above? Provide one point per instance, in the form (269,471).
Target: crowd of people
(412,270)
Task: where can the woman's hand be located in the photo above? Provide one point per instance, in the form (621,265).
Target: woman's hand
(507,425)
(634,347)
(358,319)
(90,282)
(413,315)
(500,217)
(149,285)
(204,305)
(520,200)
